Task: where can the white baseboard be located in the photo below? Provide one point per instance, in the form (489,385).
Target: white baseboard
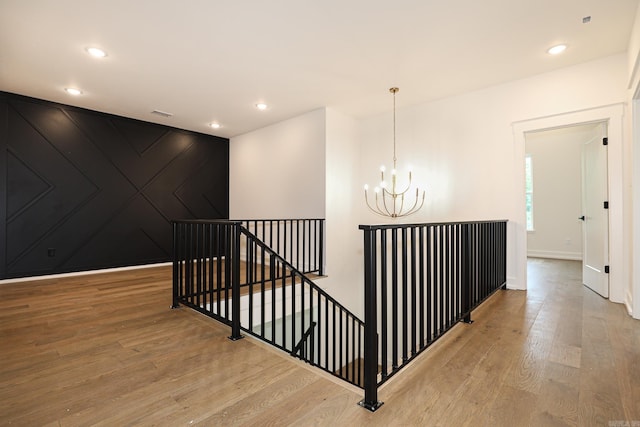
(628,303)
(573,256)
(83,273)
(513,284)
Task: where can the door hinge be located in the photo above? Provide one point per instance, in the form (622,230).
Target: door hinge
(606,269)
(605,141)
(606,205)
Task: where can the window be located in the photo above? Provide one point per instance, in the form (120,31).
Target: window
(528,173)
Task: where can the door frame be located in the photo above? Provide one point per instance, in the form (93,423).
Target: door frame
(612,114)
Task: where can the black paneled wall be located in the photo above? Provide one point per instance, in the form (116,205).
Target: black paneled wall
(83,190)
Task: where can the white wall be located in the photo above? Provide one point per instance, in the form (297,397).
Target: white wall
(279,171)
(633,156)
(345,268)
(463,147)
(282,171)
(557,191)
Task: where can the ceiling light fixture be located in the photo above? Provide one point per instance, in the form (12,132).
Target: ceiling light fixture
(96,52)
(215,125)
(73,91)
(557,49)
(391,202)
(261,106)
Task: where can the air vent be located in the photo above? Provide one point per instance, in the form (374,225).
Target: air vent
(161,113)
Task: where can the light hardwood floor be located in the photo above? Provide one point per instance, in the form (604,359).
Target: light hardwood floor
(106,350)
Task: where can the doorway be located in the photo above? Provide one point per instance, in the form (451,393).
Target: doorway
(566,184)
(618,262)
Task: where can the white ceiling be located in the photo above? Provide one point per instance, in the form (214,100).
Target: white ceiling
(212,60)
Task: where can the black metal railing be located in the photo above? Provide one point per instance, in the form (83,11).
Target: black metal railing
(206,268)
(299,241)
(247,285)
(289,311)
(420,280)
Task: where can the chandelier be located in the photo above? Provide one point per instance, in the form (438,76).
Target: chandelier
(390,202)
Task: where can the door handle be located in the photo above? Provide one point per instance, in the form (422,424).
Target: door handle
(581,218)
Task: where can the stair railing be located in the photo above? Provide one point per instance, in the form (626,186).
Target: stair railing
(299,241)
(305,346)
(223,270)
(420,281)
(288,310)
(206,268)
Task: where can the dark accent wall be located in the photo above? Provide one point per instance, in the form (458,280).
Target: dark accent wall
(84,190)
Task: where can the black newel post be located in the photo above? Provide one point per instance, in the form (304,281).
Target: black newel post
(235,282)
(321,249)
(174,255)
(370,400)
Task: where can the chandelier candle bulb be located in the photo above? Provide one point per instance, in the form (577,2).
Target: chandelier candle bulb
(392,198)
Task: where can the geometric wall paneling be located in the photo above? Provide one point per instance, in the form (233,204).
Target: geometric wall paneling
(88,190)
(198,198)
(24,185)
(69,190)
(200,194)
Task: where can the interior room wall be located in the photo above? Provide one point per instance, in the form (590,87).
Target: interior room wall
(278,171)
(557,191)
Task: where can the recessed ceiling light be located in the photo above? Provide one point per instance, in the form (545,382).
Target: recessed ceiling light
(215,125)
(557,49)
(73,91)
(261,106)
(98,53)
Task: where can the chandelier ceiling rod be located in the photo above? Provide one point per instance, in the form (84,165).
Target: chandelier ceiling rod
(390,203)
(393,90)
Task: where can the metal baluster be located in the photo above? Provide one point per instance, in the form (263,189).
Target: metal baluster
(405,298)
(394,299)
(383,301)
(414,288)
(428,272)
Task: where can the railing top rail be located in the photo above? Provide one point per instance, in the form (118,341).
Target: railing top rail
(281,219)
(303,278)
(239,221)
(424,224)
(206,221)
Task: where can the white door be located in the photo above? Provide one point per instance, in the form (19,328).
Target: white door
(595,229)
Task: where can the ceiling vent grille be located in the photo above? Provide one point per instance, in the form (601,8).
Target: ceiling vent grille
(161,113)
